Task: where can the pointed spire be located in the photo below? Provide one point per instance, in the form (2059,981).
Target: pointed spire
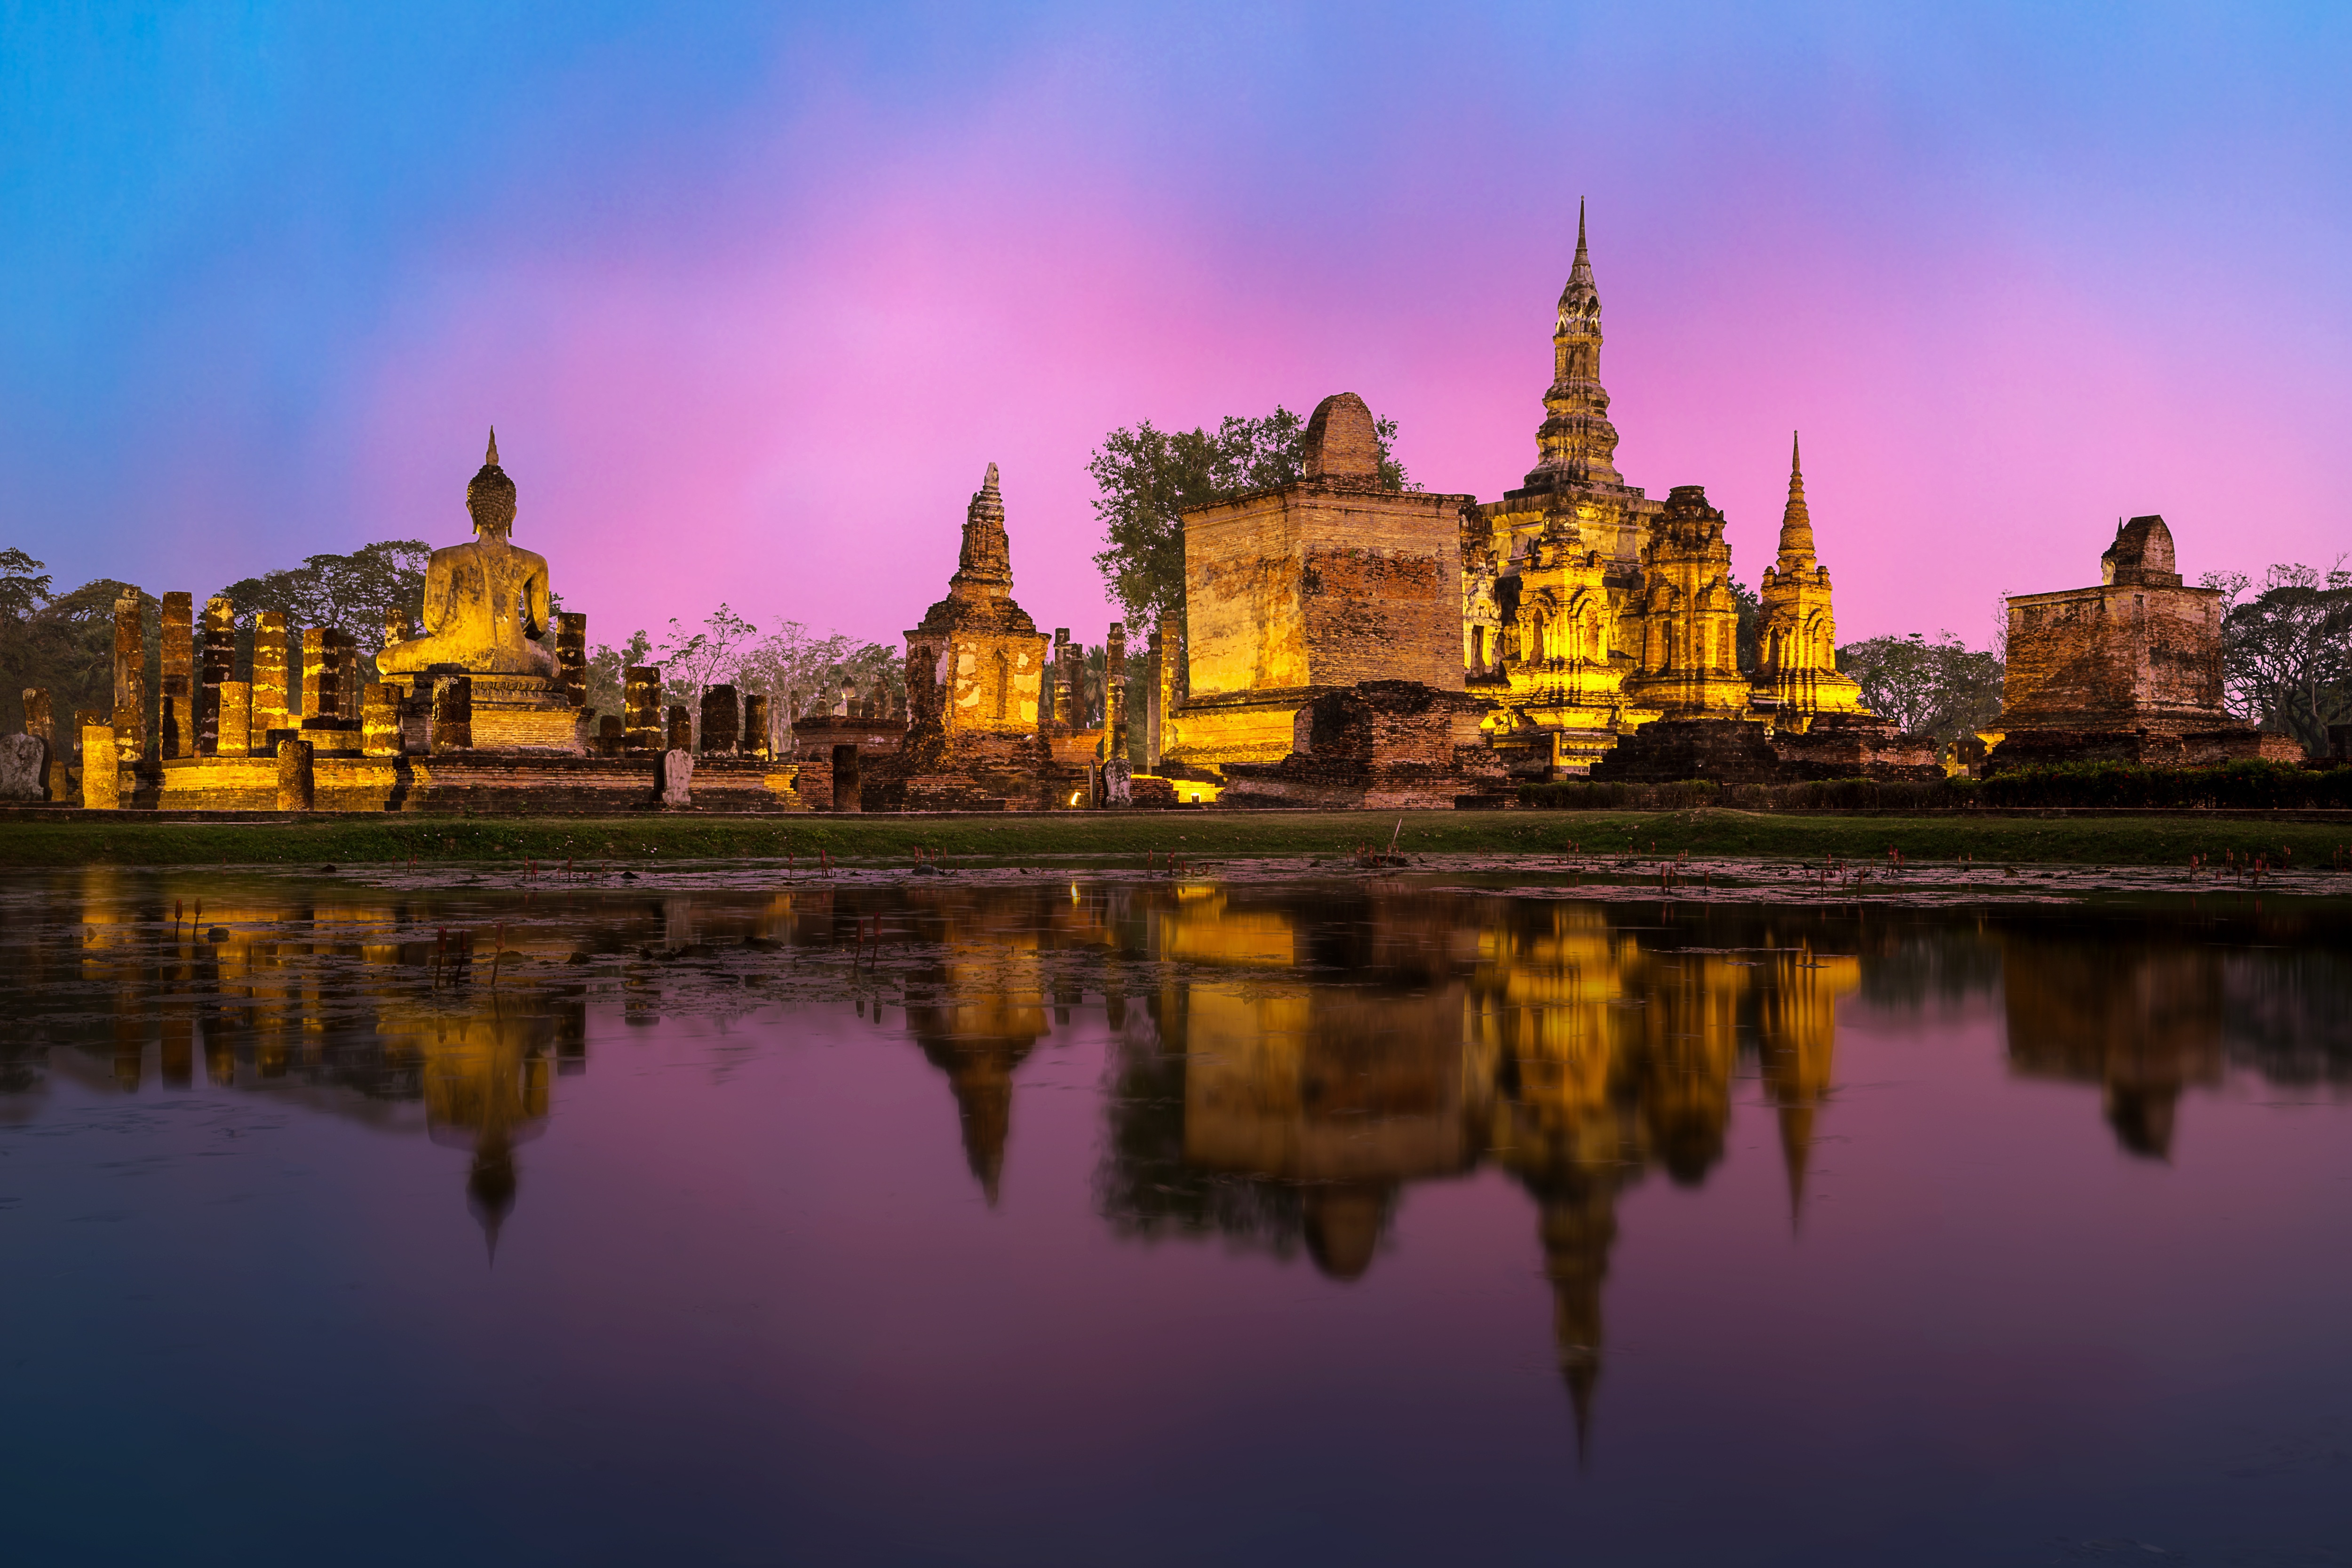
(1796,521)
(491,460)
(984,566)
(1582,269)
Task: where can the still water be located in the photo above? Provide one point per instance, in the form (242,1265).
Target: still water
(1040,1223)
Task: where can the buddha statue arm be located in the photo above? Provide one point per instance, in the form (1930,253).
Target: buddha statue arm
(534,605)
(436,594)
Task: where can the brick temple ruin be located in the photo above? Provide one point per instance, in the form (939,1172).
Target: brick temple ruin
(2129,670)
(1341,645)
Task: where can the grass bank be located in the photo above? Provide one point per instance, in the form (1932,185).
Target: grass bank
(1198,835)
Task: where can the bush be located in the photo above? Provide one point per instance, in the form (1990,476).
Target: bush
(2244,785)
(2247,785)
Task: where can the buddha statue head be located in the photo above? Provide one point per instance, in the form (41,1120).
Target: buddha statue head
(490,496)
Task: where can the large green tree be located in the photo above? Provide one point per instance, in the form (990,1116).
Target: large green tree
(2287,652)
(1146,478)
(1932,686)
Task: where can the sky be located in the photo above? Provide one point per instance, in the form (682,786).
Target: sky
(755,293)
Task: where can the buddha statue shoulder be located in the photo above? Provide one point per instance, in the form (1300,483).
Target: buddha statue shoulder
(486,600)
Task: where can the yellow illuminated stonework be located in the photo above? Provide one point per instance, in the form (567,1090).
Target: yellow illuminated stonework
(485,600)
(1685,636)
(1562,677)
(1799,678)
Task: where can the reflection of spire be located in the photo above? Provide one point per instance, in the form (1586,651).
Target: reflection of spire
(1579,1226)
(983,1093)
(490,1188)
(1343,1222)
(1796,1152)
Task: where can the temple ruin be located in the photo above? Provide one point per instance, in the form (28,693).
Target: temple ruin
(1341,644)
(2129,670)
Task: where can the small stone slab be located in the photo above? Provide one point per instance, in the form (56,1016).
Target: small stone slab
(23,768)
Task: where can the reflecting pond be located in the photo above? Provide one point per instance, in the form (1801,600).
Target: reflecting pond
(1143,1221)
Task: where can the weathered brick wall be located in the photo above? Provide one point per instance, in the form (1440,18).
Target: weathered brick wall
(2127,656)
(1324,583)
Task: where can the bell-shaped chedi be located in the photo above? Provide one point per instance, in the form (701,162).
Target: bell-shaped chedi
(975,674)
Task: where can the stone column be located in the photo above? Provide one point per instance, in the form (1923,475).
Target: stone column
(793,713)
(1172,670)
(101,774)
(347,679)
(235,700)
(130,678)
(176,723)
(296,790)
(641,708)
(219,655)
(1154,653)
(571,659)
(270,692)
(609,737)
(1074,684)
(380,722)
(722,722)
(681,728)
(1115,694)
(453,714)
(322,670)
(756,741)
(1057,675)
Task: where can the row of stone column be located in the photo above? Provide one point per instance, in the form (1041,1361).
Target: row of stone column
(1066,706)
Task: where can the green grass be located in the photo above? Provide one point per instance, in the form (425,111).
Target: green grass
(2085,840)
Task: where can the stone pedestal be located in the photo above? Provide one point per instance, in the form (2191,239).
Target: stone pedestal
(295,786)
(23,768)
(453,714)
(380,722)
(100,773)
(572,657)
(677,777)
(721,721)
(233,712)
(755,726)
(642,713)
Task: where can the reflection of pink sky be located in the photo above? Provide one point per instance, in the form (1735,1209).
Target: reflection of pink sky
(749,1275)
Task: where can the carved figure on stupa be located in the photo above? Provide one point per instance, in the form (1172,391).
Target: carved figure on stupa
(486,600)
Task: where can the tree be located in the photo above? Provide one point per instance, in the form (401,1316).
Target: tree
(1937,687)
(2286,653)
(1146,478)
(1748,638)
(353,594)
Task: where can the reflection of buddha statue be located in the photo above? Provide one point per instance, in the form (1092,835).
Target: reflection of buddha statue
(483,601)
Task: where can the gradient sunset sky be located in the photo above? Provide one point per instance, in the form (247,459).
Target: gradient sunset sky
(755,293)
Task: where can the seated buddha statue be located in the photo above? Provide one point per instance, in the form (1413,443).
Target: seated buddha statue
(485,602)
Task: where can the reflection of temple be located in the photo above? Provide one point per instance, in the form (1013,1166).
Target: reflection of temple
(2143,1022)
(1316,1057)
(276,1000)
